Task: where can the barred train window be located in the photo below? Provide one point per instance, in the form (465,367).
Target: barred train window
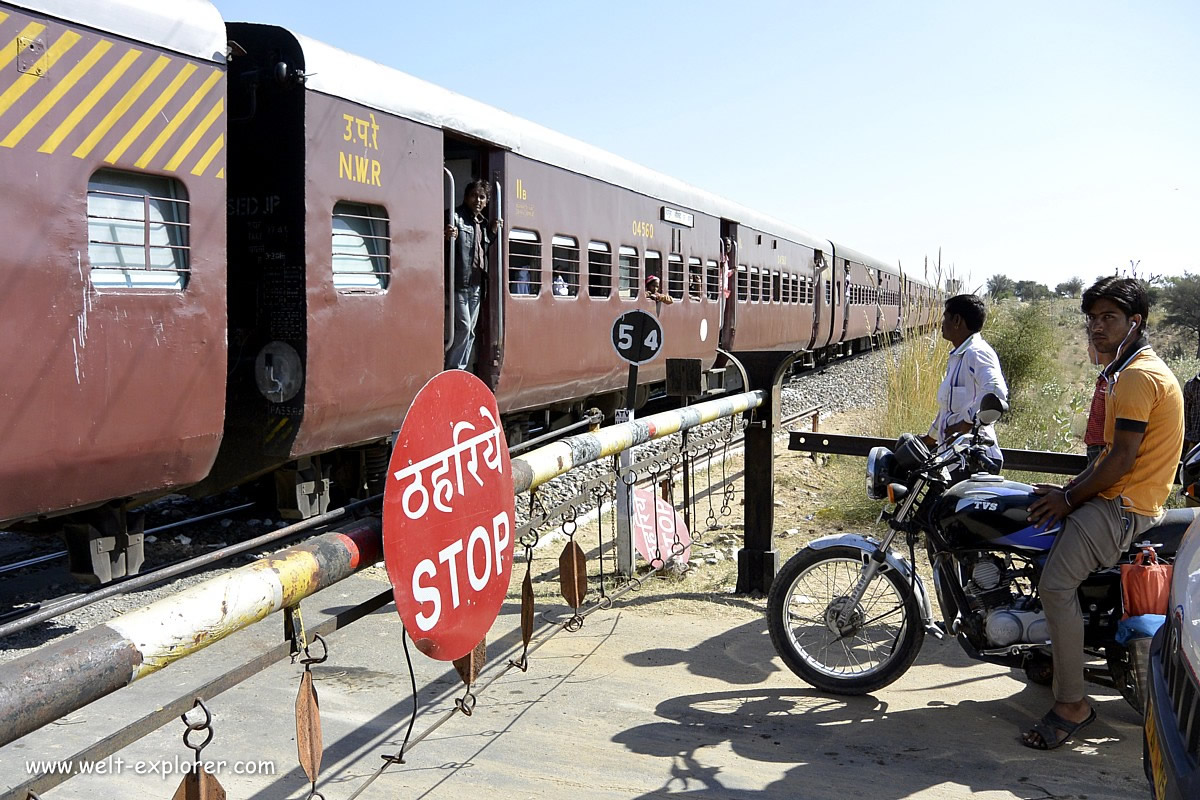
(565,256)
(695,279)
(599,269)
(138,231)
(743,283)
(630,277)
(362,246)
(675,275)
(524,263)
(712,283)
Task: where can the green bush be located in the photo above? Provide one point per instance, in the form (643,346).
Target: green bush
(1024,338)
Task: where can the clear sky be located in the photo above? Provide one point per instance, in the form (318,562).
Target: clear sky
(1042,139)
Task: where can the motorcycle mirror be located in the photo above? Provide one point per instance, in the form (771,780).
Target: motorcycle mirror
(991,408)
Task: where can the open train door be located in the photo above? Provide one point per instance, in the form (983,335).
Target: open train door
(823,283)
(489,347)
(728,296)
(468,160)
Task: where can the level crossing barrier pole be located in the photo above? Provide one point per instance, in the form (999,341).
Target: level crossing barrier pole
(66,675)
(758,560)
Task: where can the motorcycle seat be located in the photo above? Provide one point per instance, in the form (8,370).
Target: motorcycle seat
(1168,533)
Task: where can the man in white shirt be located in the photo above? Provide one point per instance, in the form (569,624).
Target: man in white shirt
(972,372)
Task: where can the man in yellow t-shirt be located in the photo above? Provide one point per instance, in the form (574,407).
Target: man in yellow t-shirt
(1115,499)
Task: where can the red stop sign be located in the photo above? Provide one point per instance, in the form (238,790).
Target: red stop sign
(448,516)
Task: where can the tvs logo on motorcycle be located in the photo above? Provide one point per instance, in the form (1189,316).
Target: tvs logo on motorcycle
(985,505)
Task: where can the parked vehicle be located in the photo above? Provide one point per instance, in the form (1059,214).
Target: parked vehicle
(848,614)
(1171,734)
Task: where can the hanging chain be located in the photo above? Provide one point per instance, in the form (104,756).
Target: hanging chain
(599,493)
(726,485)
(204,725)
(308,717)
(573,555)
(710,522)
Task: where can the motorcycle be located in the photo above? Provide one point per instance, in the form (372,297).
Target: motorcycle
(848,614)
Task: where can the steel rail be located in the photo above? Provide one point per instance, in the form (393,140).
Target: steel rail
(66,675)
(178,567)
(170,525)
(590,419)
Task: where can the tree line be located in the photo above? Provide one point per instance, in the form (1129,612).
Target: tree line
(1177,299)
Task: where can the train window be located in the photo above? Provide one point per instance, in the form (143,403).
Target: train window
(828,292)
(743,283)
(565,264)
(631,279)
(755,285)
(599,269)
(361,247)
(695,279)
(138,231)
(794,280)
(524,263)
(675,275)
(654,266)
(712,284)
(776,287)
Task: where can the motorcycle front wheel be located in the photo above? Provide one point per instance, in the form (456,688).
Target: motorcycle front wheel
(835,647)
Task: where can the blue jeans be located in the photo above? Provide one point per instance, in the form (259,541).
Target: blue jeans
(466,314)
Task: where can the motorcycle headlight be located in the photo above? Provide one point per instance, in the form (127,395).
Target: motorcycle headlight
(879,472)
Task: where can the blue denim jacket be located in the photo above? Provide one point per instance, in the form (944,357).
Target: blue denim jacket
(464,245)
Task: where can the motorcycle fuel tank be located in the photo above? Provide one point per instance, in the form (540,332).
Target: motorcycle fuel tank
(989,511)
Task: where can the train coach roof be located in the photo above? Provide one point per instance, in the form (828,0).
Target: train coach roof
(340,74)
(862,258)
(190,27)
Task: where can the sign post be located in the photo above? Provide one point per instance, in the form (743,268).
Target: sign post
(448,516)
(638,339)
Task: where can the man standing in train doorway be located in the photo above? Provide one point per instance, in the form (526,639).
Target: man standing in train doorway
(972,371)
(1118,496)
(469,233)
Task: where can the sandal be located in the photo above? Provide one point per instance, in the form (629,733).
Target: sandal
(1051,725)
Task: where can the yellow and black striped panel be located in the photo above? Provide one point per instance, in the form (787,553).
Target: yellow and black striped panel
(74,91)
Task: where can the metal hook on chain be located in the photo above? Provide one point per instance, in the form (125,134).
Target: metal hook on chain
(309,659)
(466,703)
(574,623)
(194,727)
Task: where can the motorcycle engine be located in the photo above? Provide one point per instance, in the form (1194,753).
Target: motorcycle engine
(1009,615)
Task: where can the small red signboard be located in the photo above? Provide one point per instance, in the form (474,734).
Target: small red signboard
(658,530)
(448,516)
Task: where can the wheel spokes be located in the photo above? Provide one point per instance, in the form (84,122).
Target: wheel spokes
(830,646)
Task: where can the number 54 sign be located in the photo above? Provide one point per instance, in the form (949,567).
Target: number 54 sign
(637,337)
